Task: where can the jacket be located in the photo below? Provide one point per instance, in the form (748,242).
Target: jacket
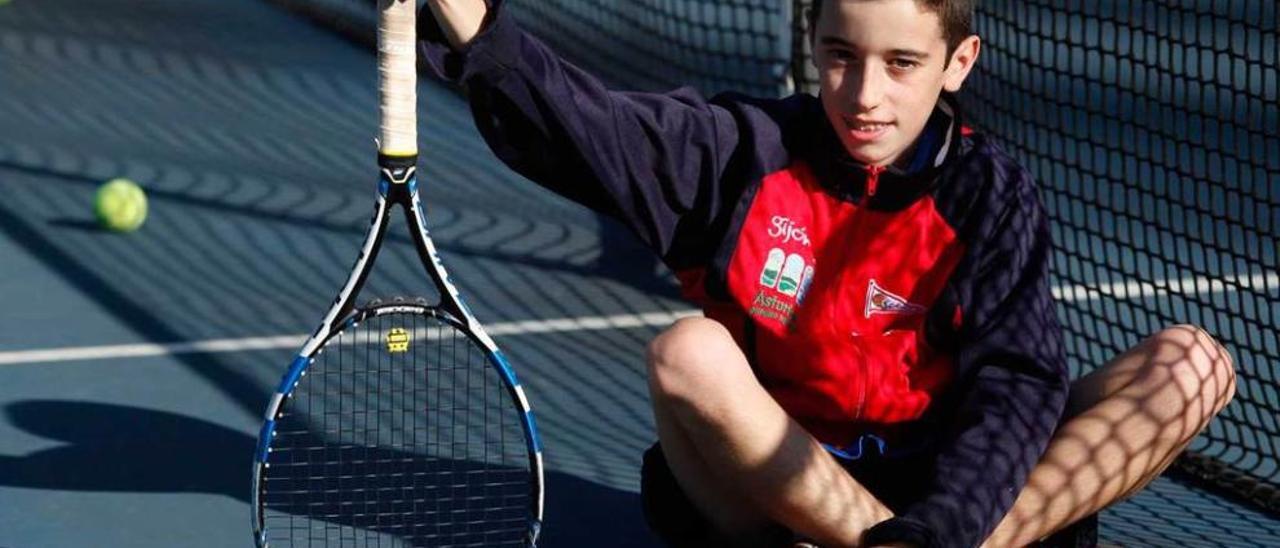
(911,304)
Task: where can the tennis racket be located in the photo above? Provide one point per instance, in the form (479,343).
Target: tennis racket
(398,423)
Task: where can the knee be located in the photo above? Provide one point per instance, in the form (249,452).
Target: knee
(691,356)
(1197,363)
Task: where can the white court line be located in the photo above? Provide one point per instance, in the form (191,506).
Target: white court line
(1119,290)
(1189,286)
(559,325)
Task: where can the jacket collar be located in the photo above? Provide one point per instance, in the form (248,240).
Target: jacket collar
(894,187)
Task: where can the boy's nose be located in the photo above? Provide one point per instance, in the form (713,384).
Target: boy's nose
(868,88)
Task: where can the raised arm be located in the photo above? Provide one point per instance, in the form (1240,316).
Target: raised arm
(655,161)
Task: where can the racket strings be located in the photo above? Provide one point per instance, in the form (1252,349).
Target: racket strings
(401,434)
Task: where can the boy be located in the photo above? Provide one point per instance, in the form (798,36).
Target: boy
(880,362)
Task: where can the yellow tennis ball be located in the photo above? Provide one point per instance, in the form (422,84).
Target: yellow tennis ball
(120,205)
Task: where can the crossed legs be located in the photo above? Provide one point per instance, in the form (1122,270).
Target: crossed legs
(1124,424)
(747,465)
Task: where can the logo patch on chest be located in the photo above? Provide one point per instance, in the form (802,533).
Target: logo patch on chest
(882,301)
(784,280)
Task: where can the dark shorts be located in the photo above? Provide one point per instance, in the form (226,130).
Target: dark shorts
(895,482)
(675,519)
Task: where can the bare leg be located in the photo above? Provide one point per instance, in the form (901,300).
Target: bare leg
(1126,422)
(737,454)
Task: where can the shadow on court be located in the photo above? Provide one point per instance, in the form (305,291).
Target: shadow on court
(117,448)
(623,258)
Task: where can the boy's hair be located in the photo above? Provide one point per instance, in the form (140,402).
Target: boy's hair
(956,16)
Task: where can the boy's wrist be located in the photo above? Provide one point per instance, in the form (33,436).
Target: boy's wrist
(460,20)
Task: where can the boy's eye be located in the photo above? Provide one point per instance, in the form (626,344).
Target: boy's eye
(840,55)
(904,64)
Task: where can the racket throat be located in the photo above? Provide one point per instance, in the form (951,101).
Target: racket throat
(449,300)
(399,177)
(399,185)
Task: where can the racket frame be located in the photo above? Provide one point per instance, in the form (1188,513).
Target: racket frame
(398,186)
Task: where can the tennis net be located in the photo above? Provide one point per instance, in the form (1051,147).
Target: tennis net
(1151,126)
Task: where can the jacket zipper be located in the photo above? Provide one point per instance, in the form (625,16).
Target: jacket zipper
(873,179)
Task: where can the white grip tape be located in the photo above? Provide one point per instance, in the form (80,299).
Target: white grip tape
(397,77)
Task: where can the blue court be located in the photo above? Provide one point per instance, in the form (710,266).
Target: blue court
(134,368)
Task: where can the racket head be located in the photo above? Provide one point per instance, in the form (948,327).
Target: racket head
(403,428)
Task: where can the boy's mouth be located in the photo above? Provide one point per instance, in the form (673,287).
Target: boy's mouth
(866,130)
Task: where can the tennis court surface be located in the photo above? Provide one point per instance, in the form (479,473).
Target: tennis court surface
(134,368)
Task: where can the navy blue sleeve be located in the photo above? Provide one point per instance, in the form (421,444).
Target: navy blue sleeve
(654,161)
(1012,380)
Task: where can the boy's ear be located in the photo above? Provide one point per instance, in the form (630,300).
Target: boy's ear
(962,61)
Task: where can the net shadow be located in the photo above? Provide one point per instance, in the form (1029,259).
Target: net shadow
(121,448)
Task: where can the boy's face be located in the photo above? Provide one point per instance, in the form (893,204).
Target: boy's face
(883,65)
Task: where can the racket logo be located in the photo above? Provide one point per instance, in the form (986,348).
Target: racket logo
(399,175)
(397,340)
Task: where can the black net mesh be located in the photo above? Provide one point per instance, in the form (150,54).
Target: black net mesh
(742,45)
(1151,126)
(662,44)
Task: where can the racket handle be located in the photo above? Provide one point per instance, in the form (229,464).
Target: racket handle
(397,78)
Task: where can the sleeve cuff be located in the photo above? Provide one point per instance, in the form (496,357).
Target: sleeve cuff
(494,49)
(901,529)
